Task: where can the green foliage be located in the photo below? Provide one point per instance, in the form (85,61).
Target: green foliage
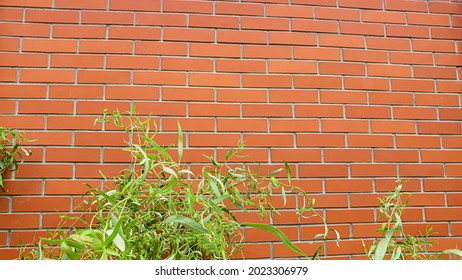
(395,243)
(159,209)
(11,151)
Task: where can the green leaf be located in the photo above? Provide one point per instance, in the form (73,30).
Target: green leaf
(180,142)
(289,173)
(279,234)
(186,222)
(383,245)
(118,240)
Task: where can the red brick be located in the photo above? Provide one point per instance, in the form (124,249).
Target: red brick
(132,62)
(436,100)
(405,5)
(345,41)
(71,122)
(160,78)
(450,113)
(318,111)
(434,46)
(379,141)
(344,68)
(11,14)
(214,139)
(79,31)
(421,170)
(441,128)
(366,83)
(443,7)
(383,16)
(188,124)
(446,33)
(266,81)
(454,170)
(242,125)
(317,82)
(163,48)
(373,170)
(348,97)
(186,64)
(413,85)
(45,107)
(161,108)
(94,46)
(381,126)
(76,91)
(241,95)
(452,141)
(428,19)
(347,155)
(449,86)
(292,38)
(441,156)
(308,25)
(289,11)
(87,107)
(7,106)
(293,125)
(337,13)
(141,5)
(186,94)
(414,113)
(396,156)
(266,140)
(87,5)
(134,33)
(9,44)
(345,126)
(8,75)
(388,43)
(368,4)
(434,72)
(361,28)
(46,45)
(45,204)
(323,170)
(244,37)
(52,16)
(365,56)
(25,30)
(354,215)
(387,70)
(266,110)
(446,184)
(241,66)
(208,109)
(239,9)
(264,23)
(215,79)
(303,67)
(316,53)
(284,96)
(162,19)
(214,21)
(188,6)
(77,60)
(16,221)
(44,171)
(320,140)
(188,35)
(407,31)
(417,141)
(105,77)
(215,50)
(27,3)
(105,17)
(443,214)
(23,60)
(368,112)
(53,76)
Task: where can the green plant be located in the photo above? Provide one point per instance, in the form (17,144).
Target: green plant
(11,151)
(159,209)
(395,243)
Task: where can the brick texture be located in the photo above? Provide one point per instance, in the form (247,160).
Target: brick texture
(352,94)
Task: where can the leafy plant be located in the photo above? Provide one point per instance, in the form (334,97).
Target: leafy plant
(396,244)
(159,209)
(11,151)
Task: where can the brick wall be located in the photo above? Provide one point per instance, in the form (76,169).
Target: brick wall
(352,93)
